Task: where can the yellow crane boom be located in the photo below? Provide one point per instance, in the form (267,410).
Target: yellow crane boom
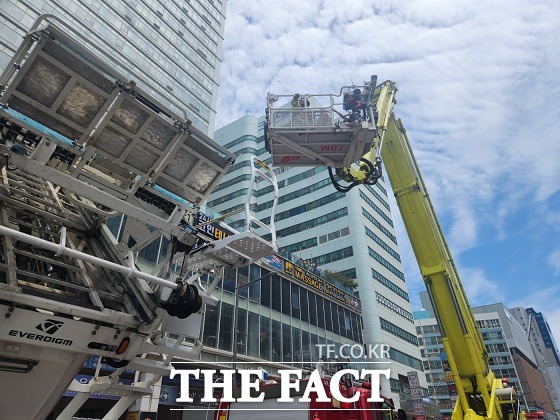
(480,394)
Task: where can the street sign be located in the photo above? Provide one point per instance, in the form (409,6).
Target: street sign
(413,379)
(416,392)
(418,408)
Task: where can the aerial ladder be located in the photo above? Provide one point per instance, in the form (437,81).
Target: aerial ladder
(295,135)
(94,169)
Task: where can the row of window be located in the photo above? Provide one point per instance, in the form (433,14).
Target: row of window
(405,359)
(386,264)
(488,323)
(492,335)
(228,197)
(240,140)
(434,352)
(389,284)
(398,332)
(428,329)
(302,176)
(246,150)
(233,181)
(376,195)
(392,306)
(376,208)
(261,337)
(497,348)
(306,207)
(308,224)
(430,341)
(379,226)
(333,256)
(295,194)
(301,245)
(334,235)
(378,185)
(382,244)
(432,365)
(500,360)
(288,298)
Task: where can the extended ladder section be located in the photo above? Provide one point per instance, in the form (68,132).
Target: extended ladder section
(314,134)
(93,171)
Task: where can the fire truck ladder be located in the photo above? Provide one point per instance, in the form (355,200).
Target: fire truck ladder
(93,170)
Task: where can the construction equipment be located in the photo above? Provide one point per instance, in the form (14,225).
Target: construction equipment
(293,139)
(94,171)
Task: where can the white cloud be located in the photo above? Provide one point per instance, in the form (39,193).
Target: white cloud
(478,94)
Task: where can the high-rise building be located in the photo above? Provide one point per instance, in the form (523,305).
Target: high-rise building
(171,48)
(510,356)
(351,234)
(545,348)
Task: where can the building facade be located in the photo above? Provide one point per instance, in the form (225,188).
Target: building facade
(509,351)
(348,233)
(170,48)
(545,348)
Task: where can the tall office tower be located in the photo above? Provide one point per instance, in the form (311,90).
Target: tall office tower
(170,48)
(509,351)
(350,233)
(544,345)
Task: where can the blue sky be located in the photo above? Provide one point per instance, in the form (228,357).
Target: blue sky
(479,95)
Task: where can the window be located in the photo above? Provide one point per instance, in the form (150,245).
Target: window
(308,224)
(286,343)
(320,312)
(394,307)
(334,235)
(264,338)
(295,301)
(241,325)
(398,332)
(328,315)
(265,289)
(376,208)
(285,296)
(210,337)
(382,244)
(226,327)
(389,284)
(304,307)
(276,293)
(386,264)
(312,308)
(406,359)
(333,256)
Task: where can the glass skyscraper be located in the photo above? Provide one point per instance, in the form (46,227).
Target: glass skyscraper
(170,48)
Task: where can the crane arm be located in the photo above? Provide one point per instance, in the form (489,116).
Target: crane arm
(480,394)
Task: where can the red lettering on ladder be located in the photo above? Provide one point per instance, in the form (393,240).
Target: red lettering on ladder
(332,148)
(286,159)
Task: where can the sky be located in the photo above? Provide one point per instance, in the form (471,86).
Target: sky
(479,95)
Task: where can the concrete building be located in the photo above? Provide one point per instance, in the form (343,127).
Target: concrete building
(545,348)
(350,233)
(171,48)
(510,355)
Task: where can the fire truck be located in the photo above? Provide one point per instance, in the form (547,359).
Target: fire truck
(356,147)
(94,170)
(331,410)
